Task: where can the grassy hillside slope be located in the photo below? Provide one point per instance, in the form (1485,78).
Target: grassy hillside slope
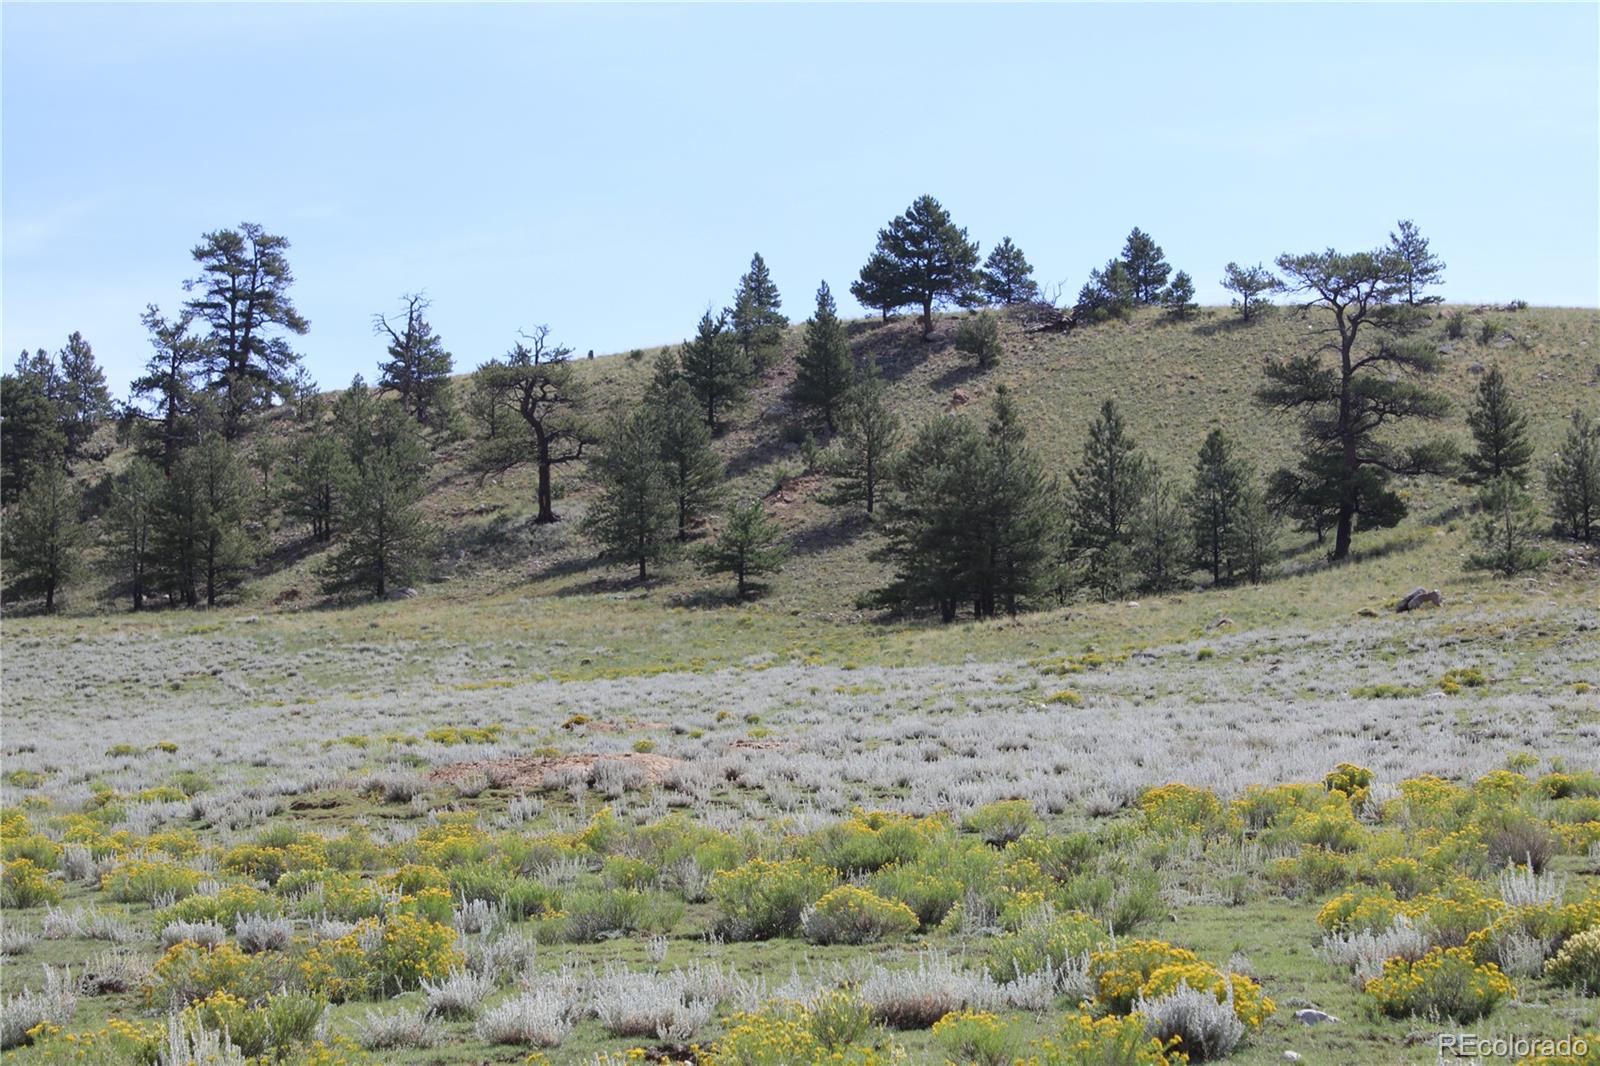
(1173,380)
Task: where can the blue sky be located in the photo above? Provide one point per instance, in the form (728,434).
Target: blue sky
(608,170)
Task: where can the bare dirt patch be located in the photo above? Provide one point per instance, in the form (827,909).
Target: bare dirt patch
(533,772)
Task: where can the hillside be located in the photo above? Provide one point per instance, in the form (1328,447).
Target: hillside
(1173,380)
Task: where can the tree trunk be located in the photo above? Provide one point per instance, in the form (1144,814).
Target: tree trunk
(50,597)
(927,318)
(547,512)
(642,574)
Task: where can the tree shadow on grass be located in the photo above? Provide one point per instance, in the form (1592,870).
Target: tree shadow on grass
(831,533)
(957,376)
(1229,324)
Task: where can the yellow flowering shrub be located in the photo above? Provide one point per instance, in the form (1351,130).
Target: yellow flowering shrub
(1577,964)
(1429,800)
(412,878)
(23,884)
(1115,1040)
(147,880)
(1261,807)
(337,969)
(116,1043)
(1351,780)
(1119,974)
(1334,828)
(451,735)
(223,908)
(452,843)
(979,1038)
(35,847)
(1178,807)
(851,915)
(1249,1005)
(1446,982)
(1051,942)
(1363,910)
(434,904)
(783,1036)
(410,949)
(189,972)
(763,899)
(870,840)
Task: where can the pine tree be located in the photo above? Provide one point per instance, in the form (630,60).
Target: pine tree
(179,528)
(312,495)
(242,294)
(1109,293)
(979,337)
(168,383)
(748,547)
(881,285)
(44,535)
(666,373)
(1215,504)
(30,432)
(354,410)
(1573,478)
(823,369)
(418,367)
(1422,268)
(715,367)
(484,407)
(1016,512)
(634,517)
(130,527)
(85,400)
(1252,286)
(929,518)
(382,535)
(1178,298)
(1500,430)
(1146,265)
(1108,489)
(754,317)
(1160,544)
(1505,529)
(536,385)
(1255,539)
(692,467)
(220,484)
(871,435)
(1007,278)
(1373,381)
(969,518)
(933,262)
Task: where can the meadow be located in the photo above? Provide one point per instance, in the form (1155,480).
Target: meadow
(540,812)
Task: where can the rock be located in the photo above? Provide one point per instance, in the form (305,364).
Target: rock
(1419,597)
(1310,1016)
(407,593)
(1133,603)
(959,398)
(1291,1056)
(1367,612)
(1475,368)
(1219,624)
